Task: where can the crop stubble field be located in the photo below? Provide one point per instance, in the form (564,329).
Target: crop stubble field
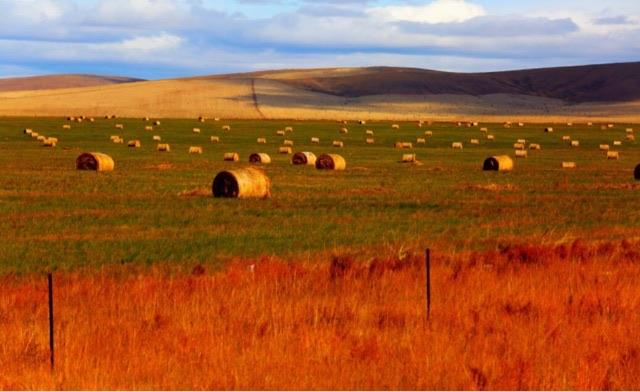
(320,286)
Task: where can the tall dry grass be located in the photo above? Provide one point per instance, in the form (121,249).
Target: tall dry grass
(519,317)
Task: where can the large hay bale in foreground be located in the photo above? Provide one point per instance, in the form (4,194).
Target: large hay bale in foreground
(303,158)
(94,161)
(331,162)
(636,172)
(498,163)
(259,157)
(249,182)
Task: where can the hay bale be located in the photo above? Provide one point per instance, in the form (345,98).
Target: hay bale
(491,137)
(518,146)
(287,142)
(631,137)
(41,138)
(148,128)
(498,163)
(428,133)
(370,141)
(408,158)
(249,182)
(629,130)
(613,155)
(521,153)
(610,125)
(575,143)
(395,126)
(66,126)
(368,132)
(617,143)
(195,150)
(231,157)
(119,126)
(569,165)
(118,140)
(315,140)
(216,119)
(146,119)
(196,130)
(456,145)
(569,124)
(262,140)
(34,135)
(474,141)
(280,132)
(157,122)
(362,122)
(27,131)
(534,146)
(401,145)
(156,138)
(163,147)
(285,150)
(523,141)
(201,119)
(226,127)
(421,140)
(91,119)
(566,138)
(288,129)
(344,131)
(484,130)
(589,124)
(520,124)
(303,158)
(94,161)
(337,143)
(259,157)
(331,162)
(548,129)
(50,142)
(604,147)
(636,172)
(134,143)
(214,139)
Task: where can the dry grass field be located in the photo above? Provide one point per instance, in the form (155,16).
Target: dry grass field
(158,285)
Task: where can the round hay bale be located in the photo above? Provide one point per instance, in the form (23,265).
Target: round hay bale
(604,147)
(428,133)
(615,155)
(534,146)
(344,130)
(491,137)
(636,172)
(196,130)
(94,161)
(287,143)
(498,163)
(280,132)
(259,157)
(163,147)
(134,143)
(521,153)
(421,140)
(157,138)
(303,158)
(226,127)
(368,132)
(249,182)
(195,150)
(148,128)
(288,129)
(41,138)
(231,156)
(548,129)
(157,122)
(331,162)
(617,143)
(456,146)
(575,143)
(338,143)
(28,131)
(370,141)
(215,139)
(262,140)
(408,158)
(50,142)
(315,140)
(568,165)
(631,137)
(518,146)
(285,150)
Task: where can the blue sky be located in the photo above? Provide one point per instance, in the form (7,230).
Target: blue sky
(169,38)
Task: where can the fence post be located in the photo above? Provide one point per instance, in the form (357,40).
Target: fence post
(51,347)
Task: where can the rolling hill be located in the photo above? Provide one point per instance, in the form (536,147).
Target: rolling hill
(595,92)
(50,82)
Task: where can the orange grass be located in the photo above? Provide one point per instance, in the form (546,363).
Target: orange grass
(519,317)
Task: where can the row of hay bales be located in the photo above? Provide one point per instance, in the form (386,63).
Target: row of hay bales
(46,141)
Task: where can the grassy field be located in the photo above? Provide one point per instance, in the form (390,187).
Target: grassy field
(321,286)
(155,207)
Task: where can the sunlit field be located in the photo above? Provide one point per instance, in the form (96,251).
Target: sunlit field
(159,285)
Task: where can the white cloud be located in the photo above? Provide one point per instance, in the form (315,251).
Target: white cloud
(438,11)
(144,45)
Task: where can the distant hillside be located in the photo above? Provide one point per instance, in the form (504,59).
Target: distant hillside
(50,82)
(590,83)
(588,93)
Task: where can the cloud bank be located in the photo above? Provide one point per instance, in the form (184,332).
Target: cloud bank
(166,38)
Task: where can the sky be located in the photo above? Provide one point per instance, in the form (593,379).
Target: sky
(156,39)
